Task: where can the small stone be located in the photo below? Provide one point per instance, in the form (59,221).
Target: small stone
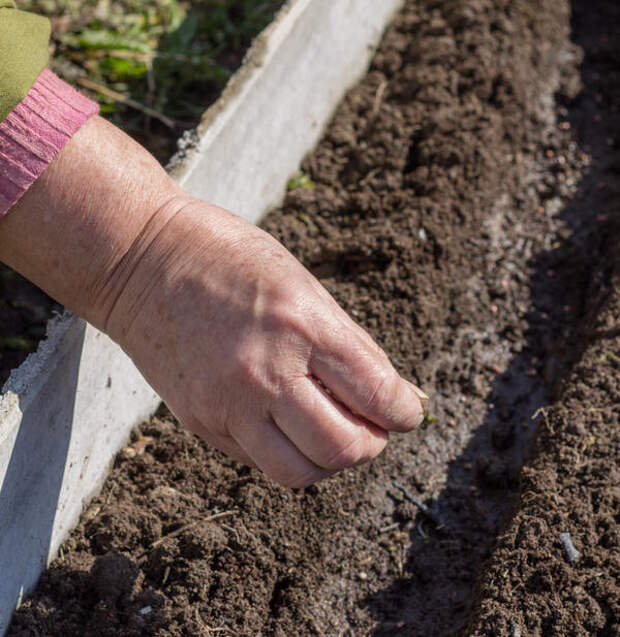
(515,628)
(572,554)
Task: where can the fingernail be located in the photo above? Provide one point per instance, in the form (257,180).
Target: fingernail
(421,395)
(420,419)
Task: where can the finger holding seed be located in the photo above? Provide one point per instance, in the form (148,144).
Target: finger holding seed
(363,379)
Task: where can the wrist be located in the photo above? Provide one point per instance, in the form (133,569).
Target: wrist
(70,231)
(117,293)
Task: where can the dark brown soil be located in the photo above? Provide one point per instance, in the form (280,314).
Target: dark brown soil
(572,486)
(456,215)
(24,313)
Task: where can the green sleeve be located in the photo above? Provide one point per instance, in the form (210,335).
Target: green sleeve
(24,39)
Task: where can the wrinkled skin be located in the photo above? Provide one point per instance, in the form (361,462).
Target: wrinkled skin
(246,347)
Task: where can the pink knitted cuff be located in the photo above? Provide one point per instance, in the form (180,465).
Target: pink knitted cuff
(35,131)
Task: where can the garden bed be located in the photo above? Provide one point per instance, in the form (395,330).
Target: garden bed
(453,209)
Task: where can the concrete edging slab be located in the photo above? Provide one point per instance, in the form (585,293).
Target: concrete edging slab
(68,409)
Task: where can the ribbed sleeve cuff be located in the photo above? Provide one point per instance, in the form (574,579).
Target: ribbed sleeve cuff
(35,131)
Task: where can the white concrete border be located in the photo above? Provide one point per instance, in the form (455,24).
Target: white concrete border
(67,410)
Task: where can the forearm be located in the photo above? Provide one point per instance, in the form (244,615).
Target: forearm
(70,231)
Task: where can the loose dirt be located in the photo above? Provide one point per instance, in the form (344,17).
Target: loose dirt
(572,484)
(454,211)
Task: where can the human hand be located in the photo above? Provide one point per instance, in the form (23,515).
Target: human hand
(250,352)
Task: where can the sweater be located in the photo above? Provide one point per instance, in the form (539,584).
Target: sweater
(24,39)
(39,113)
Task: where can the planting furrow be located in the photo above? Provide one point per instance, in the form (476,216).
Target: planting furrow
(556,566)
(536,583)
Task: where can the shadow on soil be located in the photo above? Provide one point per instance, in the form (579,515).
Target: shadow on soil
(443,563)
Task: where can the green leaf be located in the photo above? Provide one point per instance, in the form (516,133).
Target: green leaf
(105,40)
(122,68)
(301,180)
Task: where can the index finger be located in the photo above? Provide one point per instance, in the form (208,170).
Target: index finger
(361,376)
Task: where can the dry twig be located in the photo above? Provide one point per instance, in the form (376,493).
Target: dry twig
(379,98)
(431,515)
(188,526)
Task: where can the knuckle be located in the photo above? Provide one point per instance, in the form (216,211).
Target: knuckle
(289,316)
(247,364)
(293,312)
(380,385)
(252,372)
(351,454)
